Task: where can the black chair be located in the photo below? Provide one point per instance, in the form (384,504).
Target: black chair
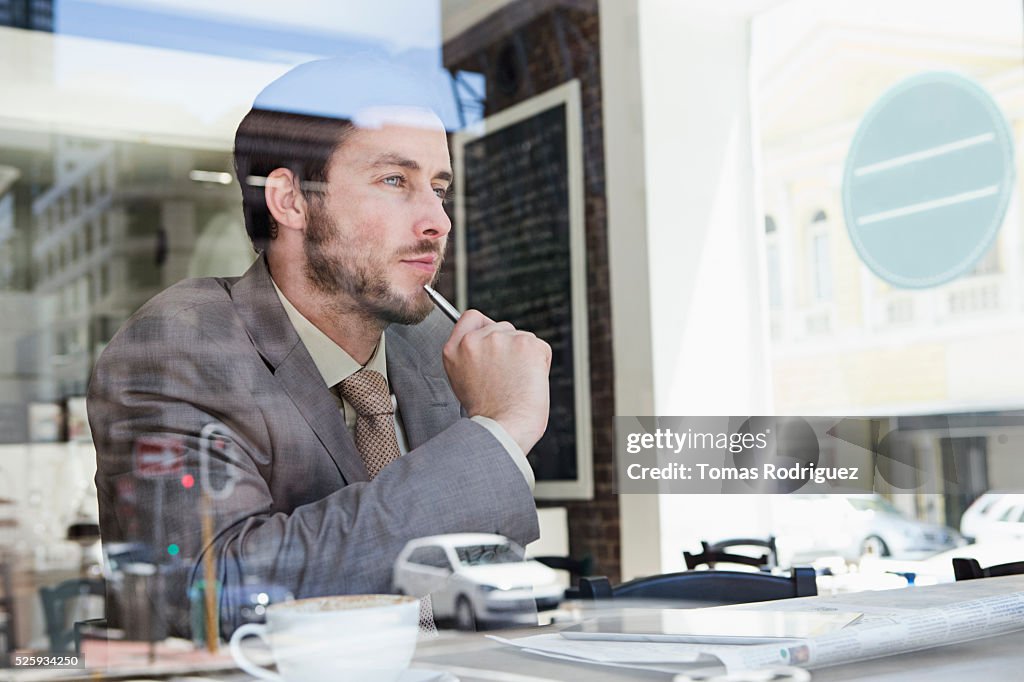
(970,569)
(713,588)
(56,602)
(718,553)
(577,568)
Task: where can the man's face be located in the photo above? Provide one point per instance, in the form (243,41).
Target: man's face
(378,234)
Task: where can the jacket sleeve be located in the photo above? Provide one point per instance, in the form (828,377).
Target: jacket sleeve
(179,437)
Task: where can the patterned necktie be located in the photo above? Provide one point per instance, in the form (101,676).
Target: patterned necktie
(367,392)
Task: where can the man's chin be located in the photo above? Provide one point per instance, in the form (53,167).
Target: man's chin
(407,311)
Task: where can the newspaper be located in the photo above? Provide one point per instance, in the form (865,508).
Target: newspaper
(655,656)
(882,631)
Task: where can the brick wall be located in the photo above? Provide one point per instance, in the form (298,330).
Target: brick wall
(524,49)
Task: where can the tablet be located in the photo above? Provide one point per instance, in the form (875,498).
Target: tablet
(710,626)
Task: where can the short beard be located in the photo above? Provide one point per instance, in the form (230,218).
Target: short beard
(356,283)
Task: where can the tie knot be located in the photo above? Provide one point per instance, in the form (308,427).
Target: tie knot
(367,392)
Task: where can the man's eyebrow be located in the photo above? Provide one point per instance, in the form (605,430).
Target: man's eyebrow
(393,160)
(402,162)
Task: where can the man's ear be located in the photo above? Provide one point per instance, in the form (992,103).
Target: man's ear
(284,199)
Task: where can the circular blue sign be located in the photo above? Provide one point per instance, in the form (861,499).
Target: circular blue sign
(927,180)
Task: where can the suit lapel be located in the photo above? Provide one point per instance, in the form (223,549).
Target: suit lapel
(426,403)
(305,385)
(277,342)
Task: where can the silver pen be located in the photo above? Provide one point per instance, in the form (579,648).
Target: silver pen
(442,303)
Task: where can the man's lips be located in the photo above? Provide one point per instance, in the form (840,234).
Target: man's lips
(424,263)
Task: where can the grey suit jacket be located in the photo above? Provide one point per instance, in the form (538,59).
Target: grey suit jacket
(291,503)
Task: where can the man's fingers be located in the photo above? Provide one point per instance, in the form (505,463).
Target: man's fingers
(500,372)
(496,332)
(471,320)
(487,330)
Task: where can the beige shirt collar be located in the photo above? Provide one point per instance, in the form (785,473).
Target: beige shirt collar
(330,359)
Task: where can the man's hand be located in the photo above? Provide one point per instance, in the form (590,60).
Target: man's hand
(500,372)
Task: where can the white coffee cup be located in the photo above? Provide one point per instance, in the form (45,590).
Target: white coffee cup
(357,638)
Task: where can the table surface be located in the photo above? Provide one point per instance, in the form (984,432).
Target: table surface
(474,657)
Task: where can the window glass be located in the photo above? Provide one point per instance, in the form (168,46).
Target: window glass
(116,137)
(1012,514)
(823,74)
(432,556)
(117,181)
(479,555)
(889,140)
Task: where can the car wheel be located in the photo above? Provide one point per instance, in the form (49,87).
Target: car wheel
(465,619)
(874,546)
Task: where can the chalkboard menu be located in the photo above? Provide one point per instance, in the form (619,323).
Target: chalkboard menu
(520,245)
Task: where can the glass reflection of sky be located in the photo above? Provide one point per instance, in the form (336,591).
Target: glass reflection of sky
(185,70)
(257,30)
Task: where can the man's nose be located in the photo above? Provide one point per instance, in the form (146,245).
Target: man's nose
(432,221)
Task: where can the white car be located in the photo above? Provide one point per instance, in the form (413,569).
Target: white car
(852,526)
(477,579)
(989,515)
(978,513)
(1005,522)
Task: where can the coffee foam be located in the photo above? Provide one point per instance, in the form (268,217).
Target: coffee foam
(343,603)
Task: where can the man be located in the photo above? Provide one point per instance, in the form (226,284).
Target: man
(296,426)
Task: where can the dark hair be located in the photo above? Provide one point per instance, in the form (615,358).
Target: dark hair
(267,140)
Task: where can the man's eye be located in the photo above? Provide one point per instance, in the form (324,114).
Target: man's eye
(441,192)
(394,180)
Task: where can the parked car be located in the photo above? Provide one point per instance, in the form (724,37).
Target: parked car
(851,526)
(1004,522)
(477,579)
(978,513)
(986,514)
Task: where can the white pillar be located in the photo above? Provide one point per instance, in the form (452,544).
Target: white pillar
(625,192)
(689,308)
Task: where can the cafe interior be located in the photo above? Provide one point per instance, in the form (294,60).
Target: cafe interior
(711,210)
